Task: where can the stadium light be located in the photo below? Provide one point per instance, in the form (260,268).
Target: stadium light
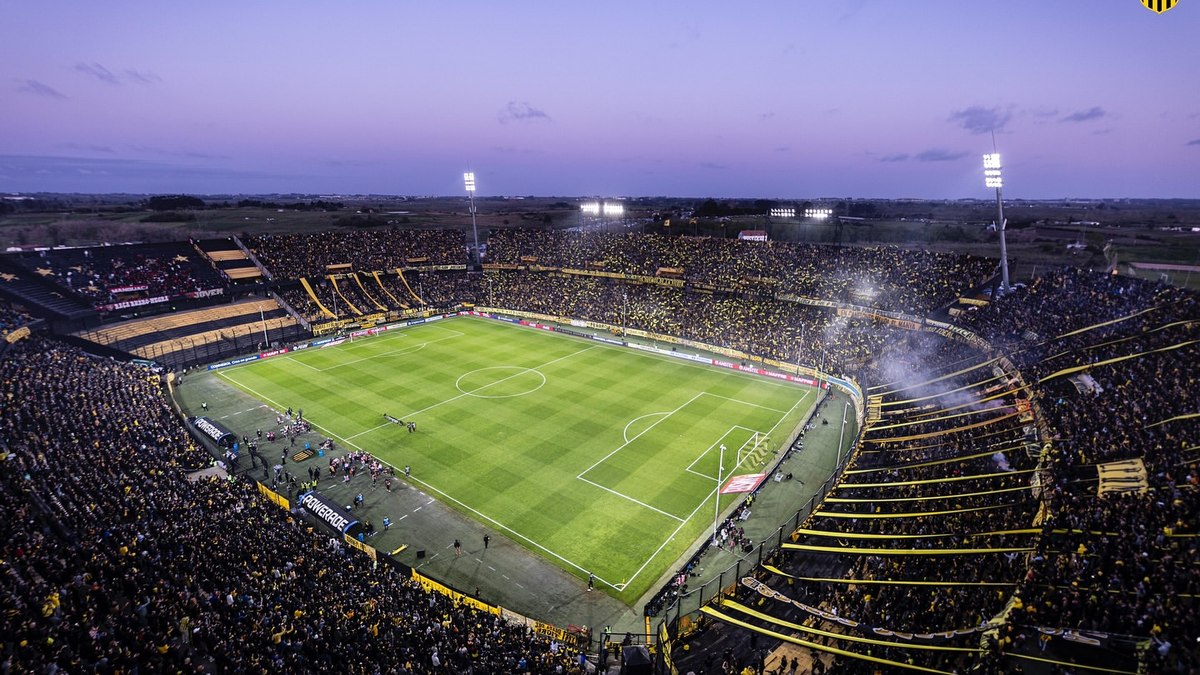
(613,209)
(818,214)
(590,208)
(782,212)
(469,181)
(993,178)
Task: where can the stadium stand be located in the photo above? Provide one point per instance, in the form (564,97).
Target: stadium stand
(228,256)
(1025,498)
(116,562)
(291,256)
(194,336)
(125,275)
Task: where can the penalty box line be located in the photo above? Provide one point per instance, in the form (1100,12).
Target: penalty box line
(500,526)
(715,493)
(717,443)
(664,416)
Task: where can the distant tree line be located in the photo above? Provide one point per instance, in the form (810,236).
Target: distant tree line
(316,205)
(180,202)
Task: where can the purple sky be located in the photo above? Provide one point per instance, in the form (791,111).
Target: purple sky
(1088,98)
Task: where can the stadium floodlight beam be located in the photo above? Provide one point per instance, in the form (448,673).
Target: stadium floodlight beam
(469,181)
(993,178)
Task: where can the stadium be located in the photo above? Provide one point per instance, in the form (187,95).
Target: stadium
(370,451)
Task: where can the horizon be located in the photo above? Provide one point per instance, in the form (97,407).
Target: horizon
(1084,101)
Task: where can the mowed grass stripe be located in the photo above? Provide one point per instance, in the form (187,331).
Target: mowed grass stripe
(513,461)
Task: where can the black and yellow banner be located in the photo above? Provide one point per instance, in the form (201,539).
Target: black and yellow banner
(927,481)
(912,514)
(816,646)
(356,544)
(855,550)
(274,497)
(930,498)
(884,582)
(435,587)
(761,616)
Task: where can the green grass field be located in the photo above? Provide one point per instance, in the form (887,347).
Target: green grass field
(600,458)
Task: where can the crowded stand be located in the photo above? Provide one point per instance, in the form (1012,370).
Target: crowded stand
(884,277)
(974,526)
(291,256)
(113,275)
(134,567)
(12,317)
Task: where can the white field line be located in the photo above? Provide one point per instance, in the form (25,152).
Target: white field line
(625,496)
(446,497)
(747,403)
(715,493)
(625,431)
(469,393)
(298,362)
(639,434)
(718,442)
(391,352)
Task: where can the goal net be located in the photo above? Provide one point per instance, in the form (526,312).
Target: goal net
(754,452)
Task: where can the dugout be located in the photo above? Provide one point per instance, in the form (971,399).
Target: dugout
(214,431)
(330,513)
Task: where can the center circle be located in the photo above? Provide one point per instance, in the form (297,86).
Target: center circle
(500,382)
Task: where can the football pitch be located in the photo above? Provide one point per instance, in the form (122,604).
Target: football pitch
(600,458)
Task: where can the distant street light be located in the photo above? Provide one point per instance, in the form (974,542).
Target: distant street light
(992,178)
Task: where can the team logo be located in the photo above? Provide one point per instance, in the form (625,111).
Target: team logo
(1158,6)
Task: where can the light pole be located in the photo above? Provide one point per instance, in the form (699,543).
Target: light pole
(717,494)
(624,304)
(469,181)
(992,178)
(263,319)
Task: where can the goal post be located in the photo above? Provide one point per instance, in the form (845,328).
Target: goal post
(753,452)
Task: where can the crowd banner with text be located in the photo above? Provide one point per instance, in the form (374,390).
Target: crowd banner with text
(433,586)
(274,497)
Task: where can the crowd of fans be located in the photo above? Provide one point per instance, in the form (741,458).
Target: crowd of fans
(111,274)
(114,561)
(1118,562)
(955,464)
(12,318)
(889,278)
(291,256)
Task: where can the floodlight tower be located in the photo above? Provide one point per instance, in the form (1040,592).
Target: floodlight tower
(992,178)
(469,180)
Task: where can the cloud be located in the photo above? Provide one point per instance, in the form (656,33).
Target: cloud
(1093,113)
(142,76)
(783,148)
(521,111)
(38,89)
(89,148)
(98,71)
(979,120)
(899,157)
(169,152)
(938,155)
(766,116)
(713,165)
(1195,142)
